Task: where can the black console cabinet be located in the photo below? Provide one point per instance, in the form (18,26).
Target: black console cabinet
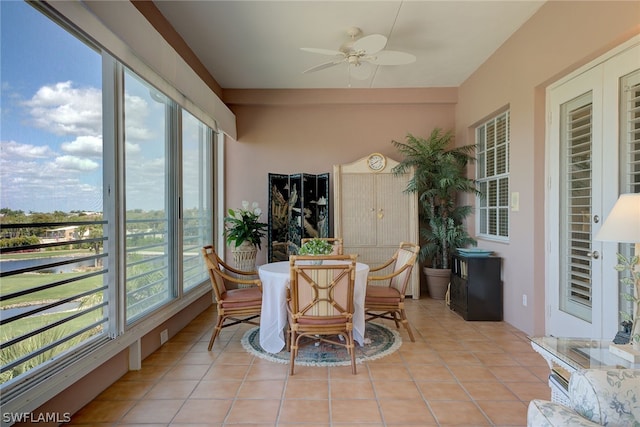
(476,288)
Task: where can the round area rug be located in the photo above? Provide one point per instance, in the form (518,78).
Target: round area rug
(380,341)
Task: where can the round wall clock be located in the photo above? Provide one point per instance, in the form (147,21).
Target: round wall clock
(376,162)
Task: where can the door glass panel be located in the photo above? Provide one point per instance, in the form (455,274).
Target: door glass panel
(146,188)
(630,160)
(575,206)
(196,196)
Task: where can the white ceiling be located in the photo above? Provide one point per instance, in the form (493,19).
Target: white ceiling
(256,44)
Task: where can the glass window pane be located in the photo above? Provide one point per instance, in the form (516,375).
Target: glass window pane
(481,139)
(51,172)
(146,189)
(483,221)
(503,185)
(197,198)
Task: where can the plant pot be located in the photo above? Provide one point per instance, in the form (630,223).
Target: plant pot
(244,256)
(437,281)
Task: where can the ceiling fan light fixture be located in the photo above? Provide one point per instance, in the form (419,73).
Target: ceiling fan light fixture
(354,32)
(357,51)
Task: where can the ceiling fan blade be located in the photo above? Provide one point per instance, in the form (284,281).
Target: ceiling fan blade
(322,51)
(322,66)
(370,44)
(391,57)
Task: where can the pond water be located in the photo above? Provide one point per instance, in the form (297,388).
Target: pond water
(10,312)
(19,264)
(12,265)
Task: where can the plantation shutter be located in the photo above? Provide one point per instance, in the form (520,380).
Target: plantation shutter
(576,142)
(492,174)
(631,133)
(502,171)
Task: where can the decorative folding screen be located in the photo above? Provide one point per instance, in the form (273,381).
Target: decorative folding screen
(298,208)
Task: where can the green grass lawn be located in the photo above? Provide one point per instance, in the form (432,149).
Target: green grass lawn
(30,280)
(32,323)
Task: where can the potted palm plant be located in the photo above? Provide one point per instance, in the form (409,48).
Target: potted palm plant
(439,176)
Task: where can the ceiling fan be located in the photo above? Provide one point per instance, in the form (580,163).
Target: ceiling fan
(359,52)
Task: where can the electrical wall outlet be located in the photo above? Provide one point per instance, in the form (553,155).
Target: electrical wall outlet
(524,300)
(164,336)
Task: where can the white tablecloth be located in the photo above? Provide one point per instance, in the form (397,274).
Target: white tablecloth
(275,280)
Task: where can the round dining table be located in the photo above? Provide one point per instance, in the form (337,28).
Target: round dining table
(275,278)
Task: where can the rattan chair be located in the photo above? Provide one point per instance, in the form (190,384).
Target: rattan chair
(335,241)
(386,301)
(241,305)
(321,302)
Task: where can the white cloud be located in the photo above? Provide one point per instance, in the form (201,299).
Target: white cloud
(90,146)
(65,110)
(131,148)
(11,149)
(51,176)
(137,109)
(75,163)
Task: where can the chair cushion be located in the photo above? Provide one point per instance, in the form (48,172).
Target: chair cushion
(382,294)
(400,281)
(244,297)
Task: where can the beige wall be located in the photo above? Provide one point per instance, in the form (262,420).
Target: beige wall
(561,37)
(310,131)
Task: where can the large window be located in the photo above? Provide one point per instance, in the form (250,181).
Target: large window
(492,174)
(107,196)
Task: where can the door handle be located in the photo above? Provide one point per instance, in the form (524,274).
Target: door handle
(594,254)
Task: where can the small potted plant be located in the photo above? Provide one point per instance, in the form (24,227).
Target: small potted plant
(244,232)
(316,246)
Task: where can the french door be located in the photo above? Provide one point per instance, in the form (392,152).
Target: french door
(587,145)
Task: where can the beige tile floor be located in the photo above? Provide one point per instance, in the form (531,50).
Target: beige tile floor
(457,373)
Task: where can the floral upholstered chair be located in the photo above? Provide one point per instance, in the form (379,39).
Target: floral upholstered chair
(598,397)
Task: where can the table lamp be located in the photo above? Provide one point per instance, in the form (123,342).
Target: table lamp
(623,226)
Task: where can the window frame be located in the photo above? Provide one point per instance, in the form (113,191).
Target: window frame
(501,207)
(36,386)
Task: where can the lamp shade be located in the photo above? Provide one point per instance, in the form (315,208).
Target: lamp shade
(623,223)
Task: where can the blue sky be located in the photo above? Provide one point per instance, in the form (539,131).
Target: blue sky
(50,126)
(51,123)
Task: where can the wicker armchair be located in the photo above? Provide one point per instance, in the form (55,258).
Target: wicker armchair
(237,305)
(386,301)
(321,302)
